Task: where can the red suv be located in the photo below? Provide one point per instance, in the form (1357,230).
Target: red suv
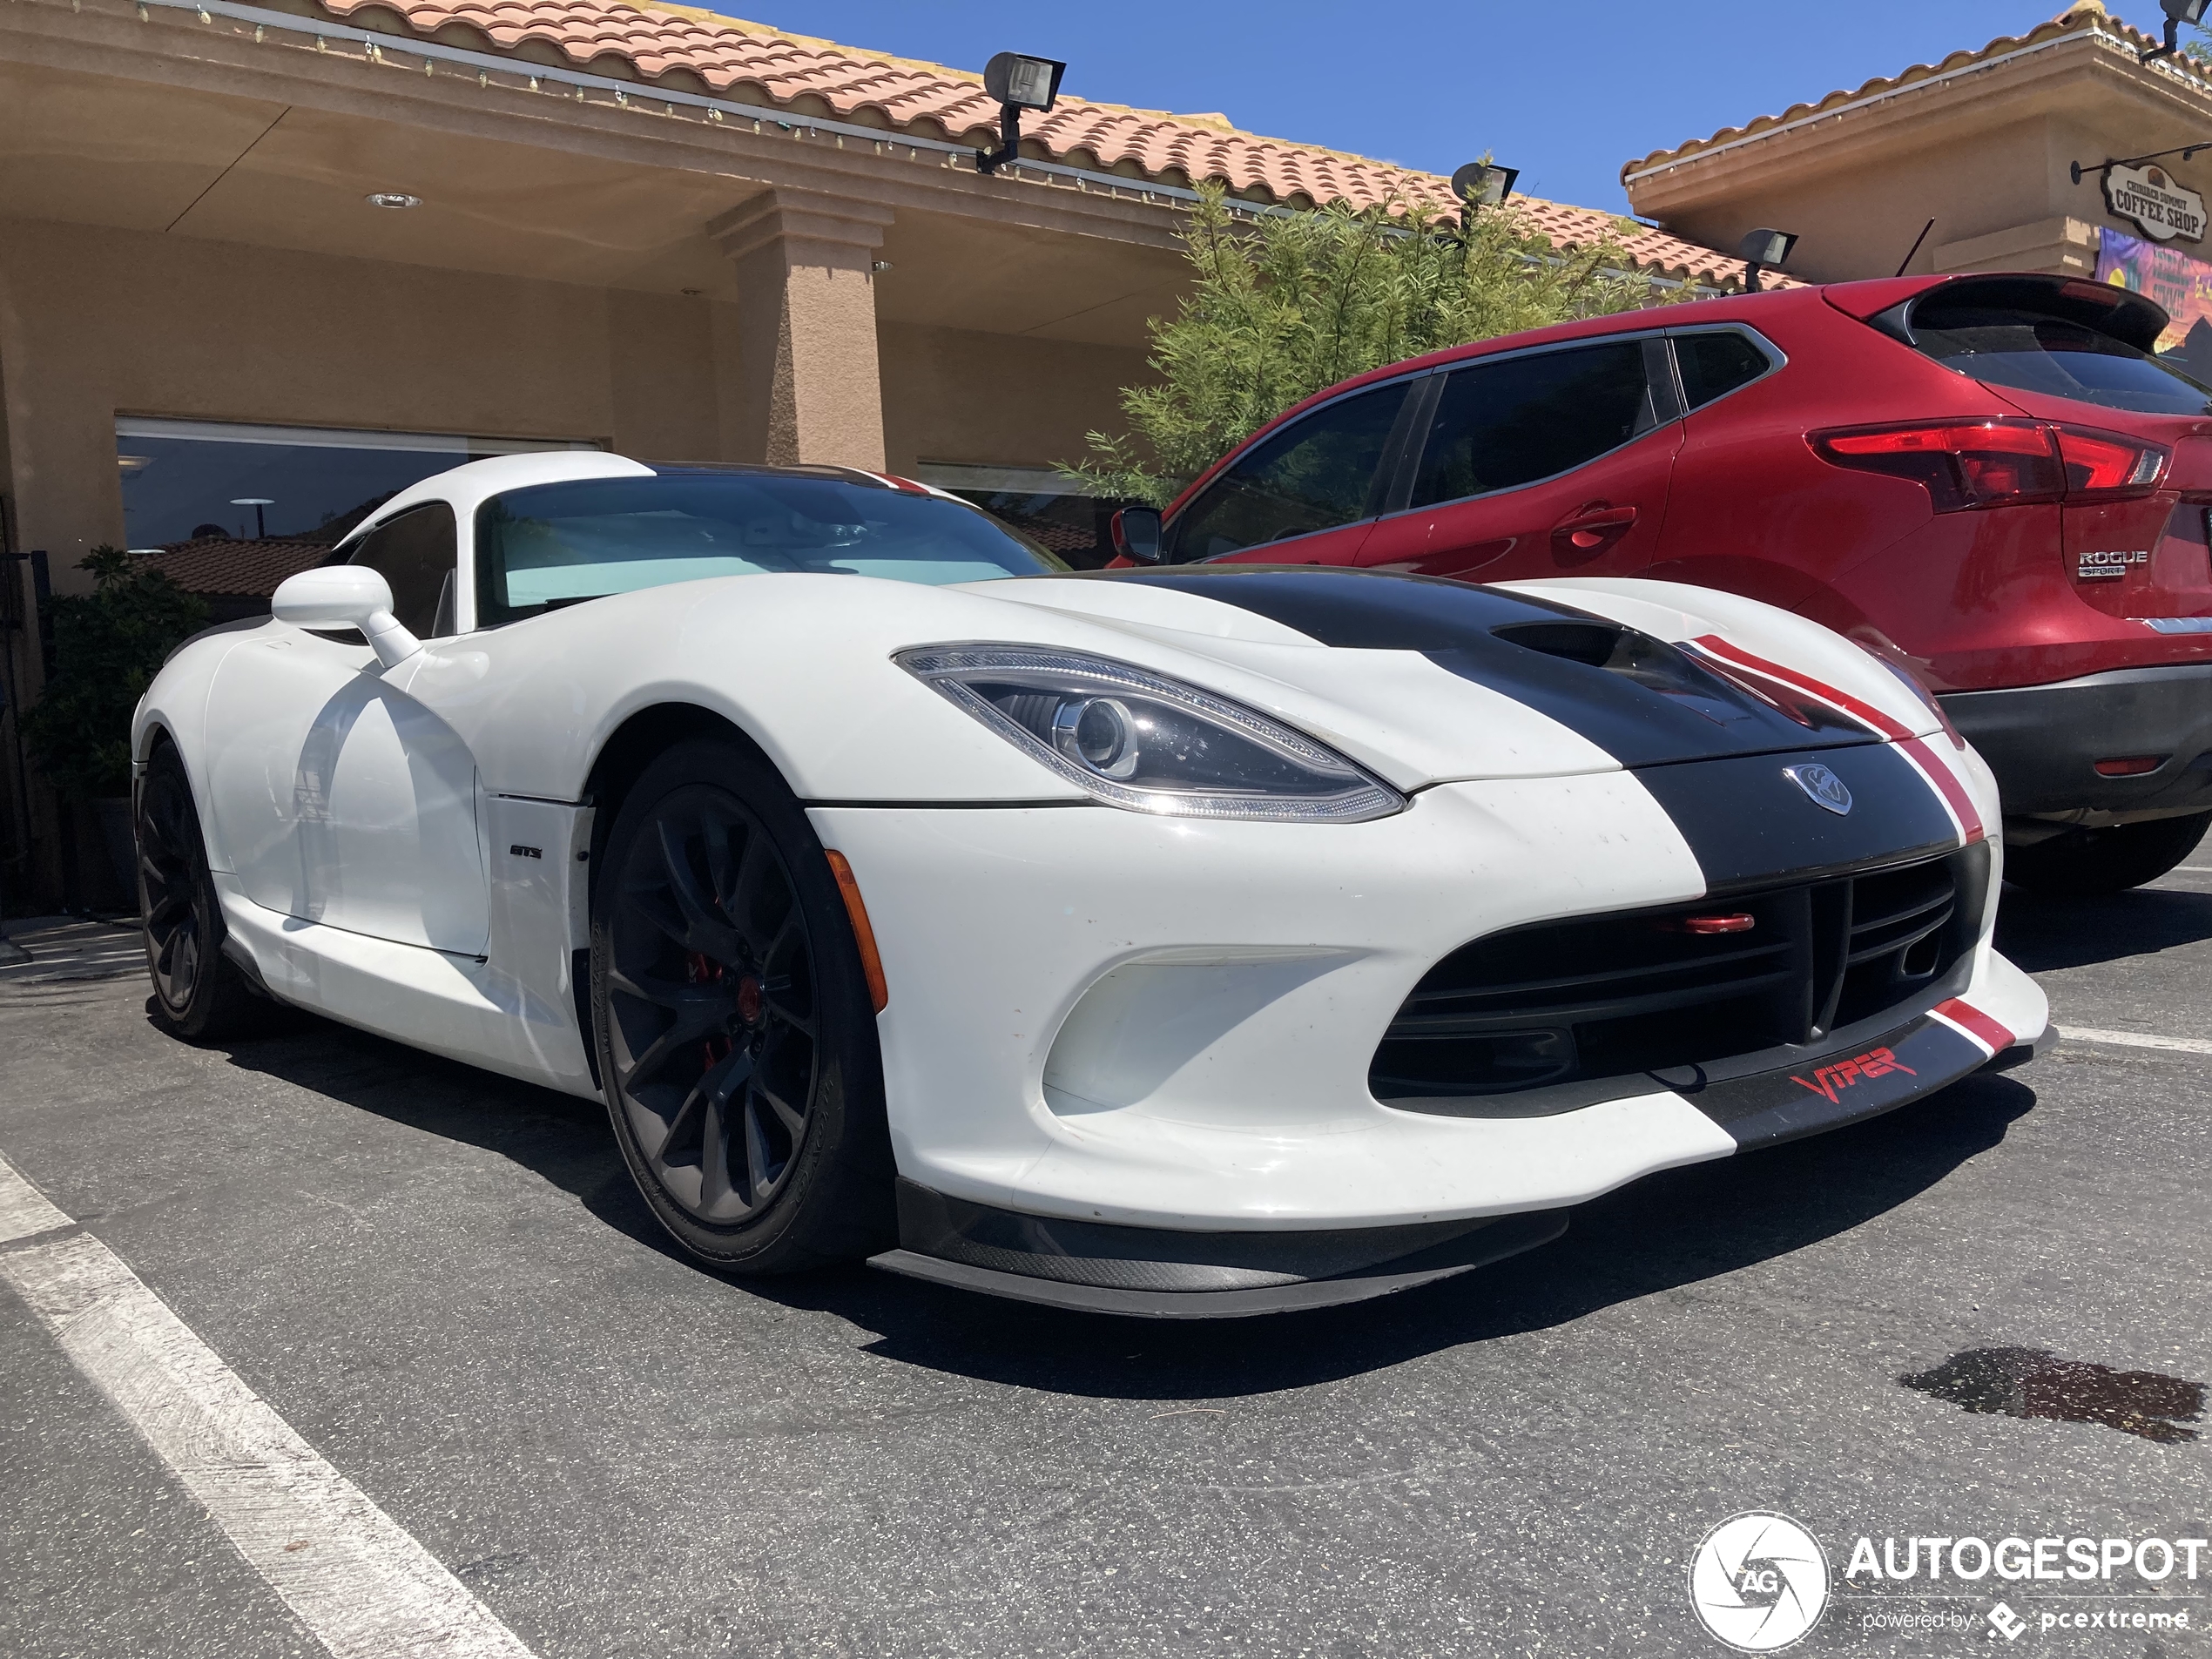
(1989,480)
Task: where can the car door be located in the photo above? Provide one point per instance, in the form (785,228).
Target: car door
(1304,494)
(339,797)
(1553,461)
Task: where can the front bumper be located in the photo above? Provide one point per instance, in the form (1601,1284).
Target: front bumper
(2043,741)
(1107,1018)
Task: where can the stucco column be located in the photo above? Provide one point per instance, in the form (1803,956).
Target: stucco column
(808,382)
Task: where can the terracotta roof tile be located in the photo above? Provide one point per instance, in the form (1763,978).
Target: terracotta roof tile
(2075,19)
(218,564)
(748,64)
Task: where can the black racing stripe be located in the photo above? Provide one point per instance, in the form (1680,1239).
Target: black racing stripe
(1355,610)
(1748,823)
(1826,1091)
(1638,698)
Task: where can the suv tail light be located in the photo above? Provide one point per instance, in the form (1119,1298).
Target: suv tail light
(1999,463)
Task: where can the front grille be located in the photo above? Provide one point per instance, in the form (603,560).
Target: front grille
(1636,991)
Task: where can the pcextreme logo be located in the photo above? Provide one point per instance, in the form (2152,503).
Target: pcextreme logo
(1846,1074)
(1760,1580)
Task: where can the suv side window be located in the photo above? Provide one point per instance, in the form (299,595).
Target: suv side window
(416,553)
(1715,364)
(1314,474)
(1519,419)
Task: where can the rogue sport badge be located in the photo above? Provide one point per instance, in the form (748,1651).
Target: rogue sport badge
(1821,788)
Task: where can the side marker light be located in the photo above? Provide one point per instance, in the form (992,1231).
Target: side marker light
(863,934)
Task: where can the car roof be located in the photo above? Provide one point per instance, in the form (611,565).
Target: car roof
(467,486)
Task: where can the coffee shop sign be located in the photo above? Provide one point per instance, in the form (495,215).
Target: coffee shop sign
(2160,207)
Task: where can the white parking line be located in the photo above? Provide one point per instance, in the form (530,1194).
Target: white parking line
(356,1579)
(2135,1040)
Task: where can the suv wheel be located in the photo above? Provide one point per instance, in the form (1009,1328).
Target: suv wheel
(2084,862)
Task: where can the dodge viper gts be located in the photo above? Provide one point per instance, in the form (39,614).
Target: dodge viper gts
(1184,942)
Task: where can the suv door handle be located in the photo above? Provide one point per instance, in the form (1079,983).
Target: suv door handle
(1593,525)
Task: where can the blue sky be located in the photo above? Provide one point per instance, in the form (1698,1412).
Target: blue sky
(1565,91)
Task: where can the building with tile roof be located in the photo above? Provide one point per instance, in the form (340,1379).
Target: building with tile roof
(684,49)
(2001,146)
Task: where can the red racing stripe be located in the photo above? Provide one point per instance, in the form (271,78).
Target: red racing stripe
(1987,1032)
(1864,712)
(1945,781)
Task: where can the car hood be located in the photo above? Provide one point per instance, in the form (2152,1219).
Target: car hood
(1419,681)
(1425,680)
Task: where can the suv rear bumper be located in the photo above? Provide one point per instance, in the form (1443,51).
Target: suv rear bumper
(2043,743)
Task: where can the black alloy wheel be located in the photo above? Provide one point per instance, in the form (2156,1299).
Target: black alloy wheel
(198,994)
(735,1040)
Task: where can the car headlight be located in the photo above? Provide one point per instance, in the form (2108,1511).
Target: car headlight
(1136,739)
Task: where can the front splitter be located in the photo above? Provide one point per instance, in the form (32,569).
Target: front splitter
(1474,1244)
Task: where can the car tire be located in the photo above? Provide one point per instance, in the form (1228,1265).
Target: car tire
(2084,862)
(199,993)
(735,1032)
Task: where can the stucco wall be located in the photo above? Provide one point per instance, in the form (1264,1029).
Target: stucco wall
(1857,218)
(96,322)
(952,394)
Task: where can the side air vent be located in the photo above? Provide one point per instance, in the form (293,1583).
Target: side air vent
(1638,991)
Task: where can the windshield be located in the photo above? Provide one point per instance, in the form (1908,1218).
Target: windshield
(555,544)
(2034,351)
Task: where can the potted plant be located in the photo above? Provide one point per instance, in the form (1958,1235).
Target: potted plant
(108,646)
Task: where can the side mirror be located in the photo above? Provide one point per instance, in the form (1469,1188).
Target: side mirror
(346,596)
(1137,534)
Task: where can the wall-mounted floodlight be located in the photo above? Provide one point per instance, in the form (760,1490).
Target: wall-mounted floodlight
(1763,250)
(1481,183)
(1018,84)
(2177,13)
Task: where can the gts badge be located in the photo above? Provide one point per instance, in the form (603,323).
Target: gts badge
(519,851)
(2109,565)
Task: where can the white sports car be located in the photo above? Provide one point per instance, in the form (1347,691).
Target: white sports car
(1185,941)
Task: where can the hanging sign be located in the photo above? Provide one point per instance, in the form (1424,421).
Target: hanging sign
(2149,198)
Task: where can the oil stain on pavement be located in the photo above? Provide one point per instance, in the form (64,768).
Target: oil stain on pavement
(2030,1382)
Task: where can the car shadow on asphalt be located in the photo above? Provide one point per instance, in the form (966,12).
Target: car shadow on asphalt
(562,1139)
(2043,934)
(1663,1233)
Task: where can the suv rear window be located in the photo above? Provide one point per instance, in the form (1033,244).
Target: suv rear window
(2000,339)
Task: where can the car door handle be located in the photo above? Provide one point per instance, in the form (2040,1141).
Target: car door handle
(1593,525)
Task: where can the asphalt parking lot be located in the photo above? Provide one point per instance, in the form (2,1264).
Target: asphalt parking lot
(445,1286)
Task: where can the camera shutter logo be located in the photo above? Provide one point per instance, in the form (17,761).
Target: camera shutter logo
(1759,1581)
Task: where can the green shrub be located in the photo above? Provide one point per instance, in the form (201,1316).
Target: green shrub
(108,646)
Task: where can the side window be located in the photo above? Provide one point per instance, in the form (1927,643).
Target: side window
(416,553)
(1519,419)
(1314,474)
(1716,363)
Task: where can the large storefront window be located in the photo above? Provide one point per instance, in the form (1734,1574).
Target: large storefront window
(1047,506)
(185,480)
